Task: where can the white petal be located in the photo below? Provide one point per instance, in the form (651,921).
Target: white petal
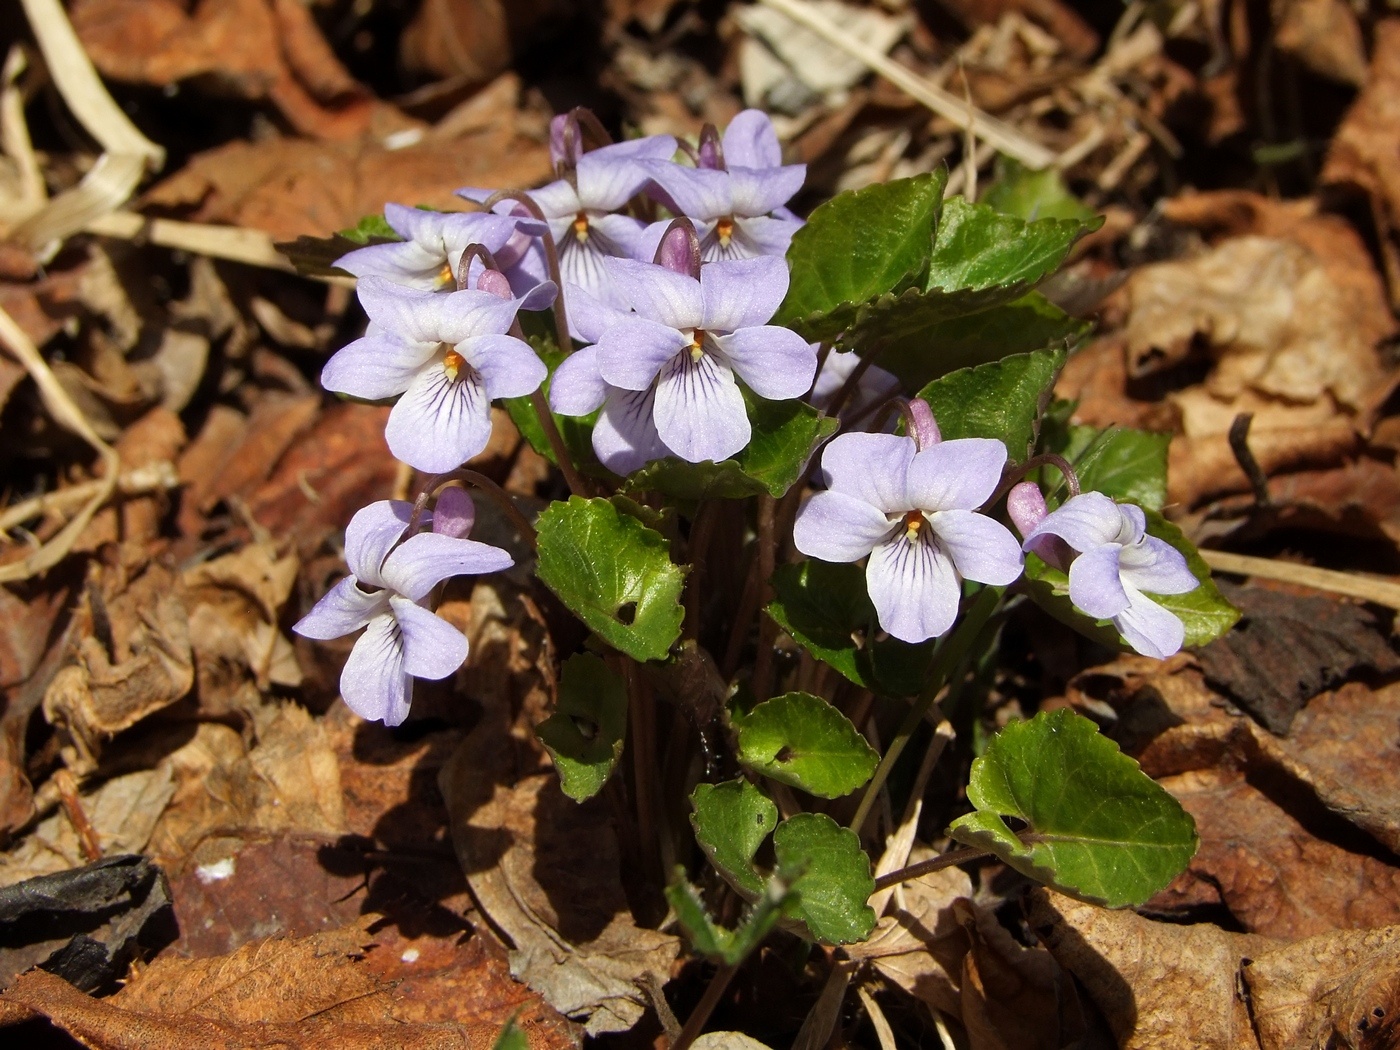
(913,587)
(374,683)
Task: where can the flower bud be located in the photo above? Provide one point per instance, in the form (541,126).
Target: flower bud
(1026,506)
(679,250)
(454,514)
(495,282)
(922,426)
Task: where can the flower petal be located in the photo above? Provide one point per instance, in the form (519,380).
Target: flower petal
(555,200)
(432,647)
(507,365)
(1087,521)
(472,312)
(407,263)
(758,191)
(1150,629)
(371,535)
(342,610)
(581,265)
(913,587)
(412,314)
(374,684)
(775,362)
(626,237)
(423,561)
(983,549)
(871,467)
(700,412)
(589,316)
(376,366)
(657,294)
(835,527)
(625,437)
(956,475)
(1155,566)
(632,352)
(1094,582)
(607,181)
(440,423)
(577,387)
(763,235)
(697,193)
(750,141)
(875,384)
(741,293)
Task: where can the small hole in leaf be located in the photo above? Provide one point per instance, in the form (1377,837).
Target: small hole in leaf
(1379,1011)
(586,729)
(627,613)
(758,819)
(784,754)
(1363,1024)
(1016,824)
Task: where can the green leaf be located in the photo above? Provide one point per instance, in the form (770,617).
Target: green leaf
(709,938)
(613,573)
(1129,465)
(835,880)
(511,1038)
(731,820)
(858,246)
(371,229)
(978,247)
(800,739)
(316,256)
(825,608)
(785,434)
(1097,827)
(585,733)
(1002,400)
(577,431)
(1204,611)
(1029,323)
(1028,194)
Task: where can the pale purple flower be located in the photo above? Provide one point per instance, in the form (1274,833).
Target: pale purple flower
(913,510)
(579,212)
(874,387)
(737,197)
(447,355)
(690,338)
(1117,567)
(389,583)
(430,253)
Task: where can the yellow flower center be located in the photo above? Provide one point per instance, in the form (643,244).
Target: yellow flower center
(697,345)
(446,276)
(913,522)
(724,230)
(452,364)
(581,227)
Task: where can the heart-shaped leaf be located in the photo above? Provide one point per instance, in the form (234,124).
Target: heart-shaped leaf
(1002,400)
(1096,826)
(835,880)
(800,739)
(731,820)
(585,733)
(613,573)
(1031,194)
(728,946)
(1129,465)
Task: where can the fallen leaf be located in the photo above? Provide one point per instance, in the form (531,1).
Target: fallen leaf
(477,39)
(1324,35)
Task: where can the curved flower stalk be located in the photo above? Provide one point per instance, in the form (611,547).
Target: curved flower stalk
(385,594)
(738,192)
(688,340)
(1114,568)
(874,387)
(430,254)
(446,357)
(911,508)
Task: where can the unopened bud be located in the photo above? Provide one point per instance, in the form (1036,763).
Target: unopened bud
(922,426)
(711,154)
(679,250)
(454,513)
(495,282)
(1025,504)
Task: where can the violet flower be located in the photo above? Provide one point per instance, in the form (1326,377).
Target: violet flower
(912,509)
(429,255)
(385,594)
(691,336)
(737,196)
(875,385)
(447,354)
(1117,567)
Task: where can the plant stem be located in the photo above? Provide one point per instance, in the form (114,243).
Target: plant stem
(695,1023)
(551,259)
(767,556)
(576,484)
(950,655)
(701,530)
(644,779)
(482,483)
(928,867)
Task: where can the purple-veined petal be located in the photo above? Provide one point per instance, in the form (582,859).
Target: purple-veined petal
(578,387)
(625,437)
(700,412)
(835,527)
(775,362)
(956,475)
(375,367)
(423,561)
(406,263)
(1095,586)
(454,513)
(698,193)
(751,142)
(1150,629)
(432,647)
(342,610)
(657,294)
(758,191)
(982,549)
(1087,521)
(440,422)
(507,365)
(762,235)
(370,536)
(582,265)
(472,312)
(374,684)
(913,587)
(1155,566)
(871,467)
(623,235)
(606,182)
(633,351)
(590,317)
(744,293)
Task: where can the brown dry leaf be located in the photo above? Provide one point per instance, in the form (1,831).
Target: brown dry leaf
(1324,35)
(311,993)
(157,437)
(258,48)
(477,39)
(1276,877)
(1159,986)
(1334,991)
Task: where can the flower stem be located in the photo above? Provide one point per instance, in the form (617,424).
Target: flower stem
(551,259)
(767,557)
(928,867)
(701,531)
(950,654)
(575,481)
(714,991)
(482,483)
(1048,459)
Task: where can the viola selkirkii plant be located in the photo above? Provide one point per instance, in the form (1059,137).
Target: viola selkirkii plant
(794,458)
